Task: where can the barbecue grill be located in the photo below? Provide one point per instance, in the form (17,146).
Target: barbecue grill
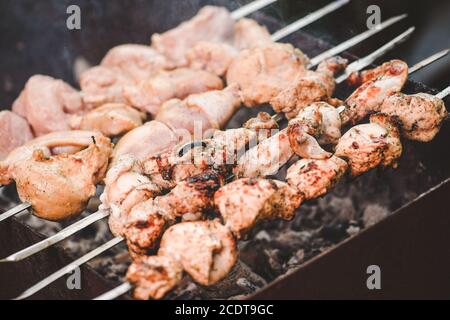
(315,256)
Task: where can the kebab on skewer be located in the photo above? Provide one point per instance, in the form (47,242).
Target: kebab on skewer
(241,205)
(144,228)
(363,147)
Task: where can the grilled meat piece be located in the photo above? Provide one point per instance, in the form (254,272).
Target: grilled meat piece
(271,154)
(304,145)
(391,67)
(111,120)
(263,121)
(244,202)
(47,103)
(15,132)
(313,178)
(216,57)
(125,187)
(101,85)
(137,62)
(201,112)
(367,146)
(188,201)
(369,97)
(212,24)
(154,276)
(249,34)
(123,66)
(152,138)
(151,93)
(310,87)
(420,115)
(213,57)
(58,186)
(263,72)
(320,120)
(206,250)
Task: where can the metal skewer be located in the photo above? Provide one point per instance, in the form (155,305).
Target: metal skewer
(119,291)
(69,268)
(443,93)
(115,293)
(429,60)
(61,235)
(368,60)
(312,17)
(354,41)
(250,8)
(16,210)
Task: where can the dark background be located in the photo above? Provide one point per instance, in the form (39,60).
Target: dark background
(34,37)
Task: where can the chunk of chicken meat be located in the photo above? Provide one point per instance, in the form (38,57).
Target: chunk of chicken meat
(152,92)
(310,87)
(367,146)
(213,57)
(262,122)
(126,185)
(244,202)
(263,72)
(168,169)
(47,103)
(358,78)
(149,140)
(369,97)
(220,153)
(15,132)
(187,201)
(216,57)
(58,186)
(154,276)
(212,24)
(137,62)
(253,132)
(249,34)
(270,155)
(313,178)
(205,249)
(110,119)
(201,112)
(420,115)
(101,85)
(320,120)
(123,66)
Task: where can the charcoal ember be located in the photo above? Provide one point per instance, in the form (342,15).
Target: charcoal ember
(186,290)
(353,230)
(113,266)
(297,259)
(291,240)
(240,282)
(263,258)
(335,231)
(373,214)
(336,209)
